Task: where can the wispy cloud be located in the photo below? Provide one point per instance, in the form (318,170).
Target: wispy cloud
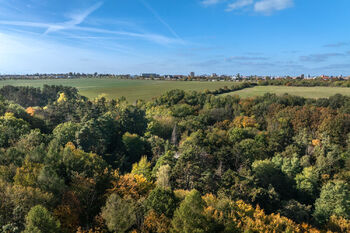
(342,66)
(246,58)
(320,57)
(26,24)
(147,36)
(160,19)
(268,6)
(337,45)
(76,19)
(238,4)
(74,27)
(265,7)
(211,2)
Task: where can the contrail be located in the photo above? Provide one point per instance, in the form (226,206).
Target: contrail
(155,14)
(76,19)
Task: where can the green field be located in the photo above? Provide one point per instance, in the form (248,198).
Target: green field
(113,88)
(308,92)
(147,89)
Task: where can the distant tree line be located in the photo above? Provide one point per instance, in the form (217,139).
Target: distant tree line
(333,82)
(235,87)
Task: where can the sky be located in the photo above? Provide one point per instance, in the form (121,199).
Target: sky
(250,37)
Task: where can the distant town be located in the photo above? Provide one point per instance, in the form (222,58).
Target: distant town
(171,77)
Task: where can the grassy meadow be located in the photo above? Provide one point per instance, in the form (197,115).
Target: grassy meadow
(114,88)
(308,92)
(147,89)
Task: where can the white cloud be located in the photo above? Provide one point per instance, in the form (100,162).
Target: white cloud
(239,4)
(259,6)
(210,2)
(268,6)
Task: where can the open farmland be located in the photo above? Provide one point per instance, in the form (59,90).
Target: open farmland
(307,92)
(114,88)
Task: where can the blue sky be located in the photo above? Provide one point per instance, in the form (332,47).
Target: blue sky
(262,37)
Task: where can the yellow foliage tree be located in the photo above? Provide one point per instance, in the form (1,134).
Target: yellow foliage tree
(62,98)
(246,218)
(143,167)
(132,185)
(244,122)
(338,224)
(27,174)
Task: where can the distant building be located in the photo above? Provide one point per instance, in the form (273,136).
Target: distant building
(150,75)
(192,74)
(214,75)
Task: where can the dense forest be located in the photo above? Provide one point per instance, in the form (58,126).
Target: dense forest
(189,162)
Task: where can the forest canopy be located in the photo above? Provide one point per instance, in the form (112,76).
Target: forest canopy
(183,162)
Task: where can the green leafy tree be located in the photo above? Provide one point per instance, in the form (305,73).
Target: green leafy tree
(334,200)
(162,201)
(135,147)
(268,174)
(99,135)
(119,214)
(65,132)
(48,180)
(189,217)
(39,220)
(307,184)
(12,129)
(163,176)
(132,120)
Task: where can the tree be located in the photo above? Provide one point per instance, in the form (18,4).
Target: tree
(163,176)
(189,217)
(16,201)
(39,220)
(65,132)
(119,213)
(132,186)
(12,129)
(27,175)
(143,167)
(307,183)
(134,146)
(267,174)
(99,135)
(132,120)
(31,141)
(155,223)
(289,165)
(48,180)
(296,211)
(162,201)
(334,200)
